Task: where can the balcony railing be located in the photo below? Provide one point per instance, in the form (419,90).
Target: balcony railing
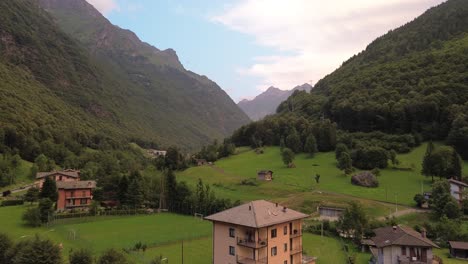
(78,197)
(250,260)
(295,250)
(250,243)
(295,233)
(411,260)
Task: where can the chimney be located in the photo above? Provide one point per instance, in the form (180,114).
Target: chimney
(276,204)
(423,233)
(394,228)
(284,209)
(250,208)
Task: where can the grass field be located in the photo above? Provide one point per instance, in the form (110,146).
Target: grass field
(22,174)
(162,233)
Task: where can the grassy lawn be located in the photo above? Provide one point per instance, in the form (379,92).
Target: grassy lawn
(444,254)
(159,231)
(226,176)
(322,247)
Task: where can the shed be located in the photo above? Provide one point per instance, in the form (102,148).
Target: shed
(459,249)
(265,175)
(330,213)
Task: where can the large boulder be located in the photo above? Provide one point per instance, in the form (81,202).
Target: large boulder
(365,179)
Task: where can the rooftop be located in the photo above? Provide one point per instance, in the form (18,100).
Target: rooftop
(400,235)
(458,182)
(257,214)
(76,185)
(459,245)
(68,172)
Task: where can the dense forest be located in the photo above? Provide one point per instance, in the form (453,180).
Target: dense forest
(408,86)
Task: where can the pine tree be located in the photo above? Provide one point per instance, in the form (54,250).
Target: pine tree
(135,190)
(49,189)
(171,189)
(311,145)
(288,156)
(122,193)
(426,164)
(293,141)
(344,162)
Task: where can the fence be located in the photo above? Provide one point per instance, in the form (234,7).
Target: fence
(89,216)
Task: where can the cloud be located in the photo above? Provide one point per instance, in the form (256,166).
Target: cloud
(316,35)
(104,6)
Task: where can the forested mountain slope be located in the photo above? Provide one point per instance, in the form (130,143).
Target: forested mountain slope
(412,80)
(56,87)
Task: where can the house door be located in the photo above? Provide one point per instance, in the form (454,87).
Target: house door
(424,255)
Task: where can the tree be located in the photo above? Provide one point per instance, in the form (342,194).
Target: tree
(171,189)
(367,158)
(282,144)
(317,178)
(452,209)
(293,141)
(288,156)
(440,199)
(340,148)
(32,217)
(354,221)
(45,209)
(81,256)
(426,164)
(311,145)
(36,251)
(32,195)
(112,256)
(135,190)
(344,162)
(5,244)
(49,189)
(122,192)
(440,163)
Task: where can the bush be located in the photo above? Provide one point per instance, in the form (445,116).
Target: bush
(12,202)
(365,179)
(5,244)
(249,182)
(32,217)
(113,256)
(81,256)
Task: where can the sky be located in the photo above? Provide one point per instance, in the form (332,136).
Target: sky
(246,46)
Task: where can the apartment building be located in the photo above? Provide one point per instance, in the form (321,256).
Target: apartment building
(258,232)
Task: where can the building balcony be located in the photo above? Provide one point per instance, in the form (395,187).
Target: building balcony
(78,197)
(295,233)
(76,205)
(250,260)
(295,250)
(245,242)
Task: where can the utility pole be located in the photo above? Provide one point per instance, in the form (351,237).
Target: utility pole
(182,252)
(396,202)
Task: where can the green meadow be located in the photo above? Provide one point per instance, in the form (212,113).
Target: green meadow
(396,185)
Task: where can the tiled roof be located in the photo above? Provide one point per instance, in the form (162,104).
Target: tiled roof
(69,173)
(400,235)
(459,245)
(257,214)
(68,185)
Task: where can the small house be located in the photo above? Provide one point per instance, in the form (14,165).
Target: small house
(74,194)
(330,213)
(459,249)
(63,175)
(265,175)
(401,245)
(155,153)
(457,188)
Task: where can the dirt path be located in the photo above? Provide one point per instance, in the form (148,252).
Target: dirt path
(405,212)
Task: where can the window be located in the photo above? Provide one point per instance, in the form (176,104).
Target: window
(83,201)
(285,230)
(274,251)
(83,194)
(72,194)
(285,247)
(232,251)
(232,232)
(273,233)
(285,262)
(403,251)
(60,178)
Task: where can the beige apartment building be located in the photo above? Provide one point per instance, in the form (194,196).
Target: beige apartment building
(258,232)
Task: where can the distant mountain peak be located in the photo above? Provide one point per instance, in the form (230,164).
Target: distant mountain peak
(266,103)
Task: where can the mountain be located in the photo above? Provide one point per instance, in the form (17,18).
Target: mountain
(411,81)
(69,69)
(267,102)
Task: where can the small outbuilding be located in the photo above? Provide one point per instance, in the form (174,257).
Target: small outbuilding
(201,162)
(459,249)
(265,175)
(330,213)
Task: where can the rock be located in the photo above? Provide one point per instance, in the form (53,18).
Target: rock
(365,179)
